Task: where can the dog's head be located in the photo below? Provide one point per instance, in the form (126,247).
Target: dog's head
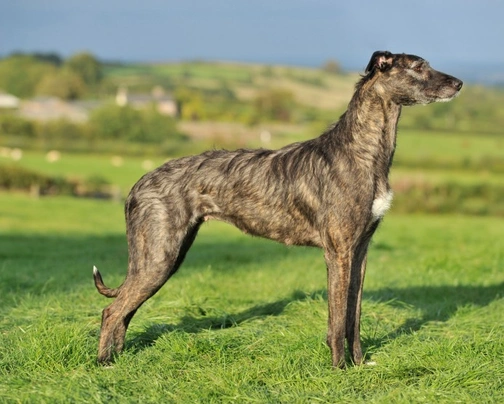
(409,79)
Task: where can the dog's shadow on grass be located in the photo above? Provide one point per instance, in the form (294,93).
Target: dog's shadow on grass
(436,303)
(195,324)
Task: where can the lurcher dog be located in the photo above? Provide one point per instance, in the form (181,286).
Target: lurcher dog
(329,192)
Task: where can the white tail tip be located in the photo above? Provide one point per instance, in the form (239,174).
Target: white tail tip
(95,270)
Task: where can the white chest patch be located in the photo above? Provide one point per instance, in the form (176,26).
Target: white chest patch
(381,205)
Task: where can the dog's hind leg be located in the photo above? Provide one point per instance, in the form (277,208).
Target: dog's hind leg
(155,255)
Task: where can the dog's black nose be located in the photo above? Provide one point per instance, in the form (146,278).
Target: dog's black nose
(457,84)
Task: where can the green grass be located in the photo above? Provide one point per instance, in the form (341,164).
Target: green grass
(244,320)
(434,149)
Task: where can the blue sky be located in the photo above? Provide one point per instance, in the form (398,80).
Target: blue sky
(448,33)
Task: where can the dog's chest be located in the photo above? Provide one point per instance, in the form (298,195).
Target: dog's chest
(381,205)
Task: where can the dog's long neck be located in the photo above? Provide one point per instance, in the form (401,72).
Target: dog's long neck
(369,127)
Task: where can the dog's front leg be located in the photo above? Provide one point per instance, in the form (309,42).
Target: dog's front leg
(338,281)
(354,306)
(358,271)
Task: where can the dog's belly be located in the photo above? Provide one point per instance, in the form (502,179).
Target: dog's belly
(283,228)
(261,213)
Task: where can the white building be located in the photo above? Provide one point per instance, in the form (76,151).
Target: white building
(8,101)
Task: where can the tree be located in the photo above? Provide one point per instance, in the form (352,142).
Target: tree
(15,125)
(86,66)
(126,123)
(189,104)
(332,66)
(19,75)
(47,57)
(64,84)
(275,104)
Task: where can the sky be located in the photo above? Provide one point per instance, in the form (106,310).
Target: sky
(460,34)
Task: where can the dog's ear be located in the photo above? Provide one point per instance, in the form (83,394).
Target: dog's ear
(381,60)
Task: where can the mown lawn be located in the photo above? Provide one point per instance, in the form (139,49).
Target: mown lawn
(244,320)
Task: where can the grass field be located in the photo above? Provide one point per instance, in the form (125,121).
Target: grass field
(417,149)
(245,319)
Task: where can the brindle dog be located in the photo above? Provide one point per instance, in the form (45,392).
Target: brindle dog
(329,192)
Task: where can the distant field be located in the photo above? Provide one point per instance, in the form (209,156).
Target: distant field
(435,172)
(319,95)
(119,170)
(245,319)
(436,157)
(446,146)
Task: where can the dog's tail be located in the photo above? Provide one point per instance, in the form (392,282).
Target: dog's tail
(104,290)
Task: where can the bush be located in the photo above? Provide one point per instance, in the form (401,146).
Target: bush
(14,125)
(19,75)
(413,196)
(15,178)
(113,122)
(86,67)
(63,84)
(18,178)
(60,131)
(275,104)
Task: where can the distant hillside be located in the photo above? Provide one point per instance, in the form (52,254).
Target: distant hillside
(231,91)
(228,104)
(310,86)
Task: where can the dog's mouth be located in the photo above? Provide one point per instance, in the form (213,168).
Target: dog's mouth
(448,92)
(450,95)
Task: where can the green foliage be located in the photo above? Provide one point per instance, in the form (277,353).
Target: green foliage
(473,199)
(60,132)
(189,103)
(477,110)
(126,123)
(274,104)
(27,75)
(13,125)
(64,84)
(115,122)
(47,57)
(17,178)
(85,66)
(20,75)
(110,128)
(228,91)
